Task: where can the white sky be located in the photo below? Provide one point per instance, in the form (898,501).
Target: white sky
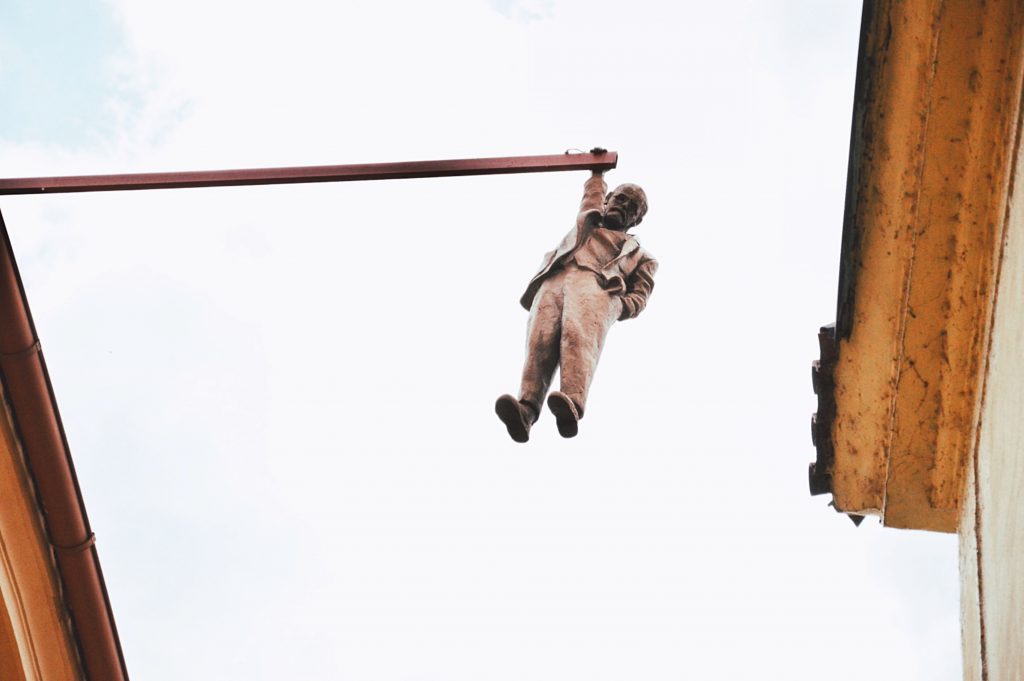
(280,399)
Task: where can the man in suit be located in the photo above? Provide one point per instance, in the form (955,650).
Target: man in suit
(596,276)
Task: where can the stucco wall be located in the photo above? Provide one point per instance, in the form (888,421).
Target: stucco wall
(992,525)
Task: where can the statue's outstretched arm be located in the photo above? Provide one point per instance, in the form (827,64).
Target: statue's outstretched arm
(594,191)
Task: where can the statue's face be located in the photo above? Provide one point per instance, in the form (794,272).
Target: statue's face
(624,207)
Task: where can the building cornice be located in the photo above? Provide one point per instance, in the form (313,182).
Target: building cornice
(934,135)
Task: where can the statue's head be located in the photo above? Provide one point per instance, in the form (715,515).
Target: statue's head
(625,206)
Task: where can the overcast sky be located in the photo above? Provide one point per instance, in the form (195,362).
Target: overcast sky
(280,399)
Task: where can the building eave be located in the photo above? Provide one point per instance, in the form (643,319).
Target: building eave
(39,432)
(934,134)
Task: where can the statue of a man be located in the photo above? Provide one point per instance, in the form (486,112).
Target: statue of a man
(597,275)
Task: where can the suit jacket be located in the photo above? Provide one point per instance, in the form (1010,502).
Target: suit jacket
(630,274)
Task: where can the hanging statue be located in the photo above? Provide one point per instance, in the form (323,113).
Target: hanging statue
(598,275)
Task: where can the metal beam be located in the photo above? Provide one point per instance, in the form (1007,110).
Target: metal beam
(346,173)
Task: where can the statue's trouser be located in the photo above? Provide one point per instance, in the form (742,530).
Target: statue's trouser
(568,322)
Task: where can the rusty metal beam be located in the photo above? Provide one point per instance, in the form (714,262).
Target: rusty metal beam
(302,174)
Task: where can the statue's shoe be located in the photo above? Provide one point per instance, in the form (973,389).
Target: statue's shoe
(566,416)
(516,417)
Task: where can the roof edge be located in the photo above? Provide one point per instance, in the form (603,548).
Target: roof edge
(48,459)
(860,135)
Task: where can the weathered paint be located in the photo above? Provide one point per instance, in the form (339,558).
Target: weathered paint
(934,125)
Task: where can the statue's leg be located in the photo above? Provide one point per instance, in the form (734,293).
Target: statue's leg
(588,312)
(542,339)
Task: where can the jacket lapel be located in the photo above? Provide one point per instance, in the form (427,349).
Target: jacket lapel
(631,245)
